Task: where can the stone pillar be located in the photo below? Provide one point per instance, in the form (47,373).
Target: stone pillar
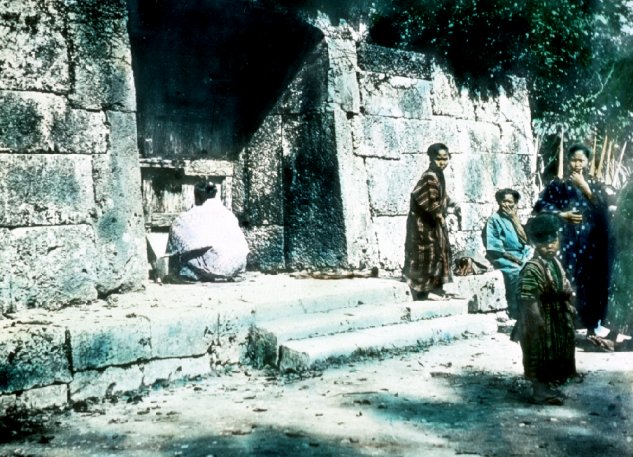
(355,124)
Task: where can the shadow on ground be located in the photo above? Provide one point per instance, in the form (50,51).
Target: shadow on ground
(495,418)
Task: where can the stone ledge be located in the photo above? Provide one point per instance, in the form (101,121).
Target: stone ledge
(164,333)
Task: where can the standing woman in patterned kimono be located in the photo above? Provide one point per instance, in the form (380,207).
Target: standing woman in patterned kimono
(427,250)
(582,205)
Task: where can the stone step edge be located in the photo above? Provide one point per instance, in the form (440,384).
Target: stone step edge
(372,294)
(299,355)
(265,338)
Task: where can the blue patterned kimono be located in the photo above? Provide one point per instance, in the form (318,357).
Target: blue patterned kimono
(586,247)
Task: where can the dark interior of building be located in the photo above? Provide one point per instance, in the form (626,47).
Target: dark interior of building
(208,71)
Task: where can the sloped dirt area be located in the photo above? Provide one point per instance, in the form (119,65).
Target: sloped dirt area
(466,398)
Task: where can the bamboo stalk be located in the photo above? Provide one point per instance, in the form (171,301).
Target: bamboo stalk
(616,172)
(592,165)
(539,170)
(602,154)
(608,165)
(561,155)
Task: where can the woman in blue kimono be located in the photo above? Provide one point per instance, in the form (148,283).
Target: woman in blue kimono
(506,244)
(582,204)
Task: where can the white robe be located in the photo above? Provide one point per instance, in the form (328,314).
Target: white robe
(213,230)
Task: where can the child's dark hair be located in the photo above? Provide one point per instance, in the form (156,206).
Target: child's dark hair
(543,228)
(204,190)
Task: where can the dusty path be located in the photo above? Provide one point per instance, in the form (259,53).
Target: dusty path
(467,398)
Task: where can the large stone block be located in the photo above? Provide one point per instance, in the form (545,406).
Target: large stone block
(264,204)
(266,244)
(53,266)
(119,228)
(6,256)
(475,215)
(487,109)
(100,55)
(308,90)
(175,369)
(485,293)
(448,99)
(342,81)
(389,137)
(97,342)
(378,136)
(32,355)
(314,220)
(37,122)
(390,183)
(44,397)
(390,61)
(45,189)
(477,137)
(8,403)
(467,243)
(174,334)
(391,233)
(515,140)
(361,242)
(99,384)
(476,177)
(395,96)
(239,188)
(33,50)
(514,105)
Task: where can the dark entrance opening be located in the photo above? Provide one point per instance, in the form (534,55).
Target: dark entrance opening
(207,72)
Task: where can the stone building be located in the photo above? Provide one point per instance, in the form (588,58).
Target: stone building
(111,110)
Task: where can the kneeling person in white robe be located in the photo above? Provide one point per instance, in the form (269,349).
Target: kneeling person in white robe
(206,241)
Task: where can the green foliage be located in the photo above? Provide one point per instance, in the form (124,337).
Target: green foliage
(570,51)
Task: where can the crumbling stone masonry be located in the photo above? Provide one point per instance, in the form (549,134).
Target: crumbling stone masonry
(71,223)
(330,170)
(324,182)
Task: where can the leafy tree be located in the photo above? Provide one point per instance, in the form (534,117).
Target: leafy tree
(573,53)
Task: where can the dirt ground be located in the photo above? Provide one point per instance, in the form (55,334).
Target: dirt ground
(466,398)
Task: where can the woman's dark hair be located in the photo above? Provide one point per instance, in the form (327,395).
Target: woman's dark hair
(204,190)
(503,192)
(579,147)
(435,149)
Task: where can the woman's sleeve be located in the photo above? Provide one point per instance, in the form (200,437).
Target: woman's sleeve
(426,196)
(531,283)
(494,242)
(551,199)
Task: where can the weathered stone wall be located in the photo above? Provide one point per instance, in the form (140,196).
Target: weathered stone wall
(351,133)
(71,222)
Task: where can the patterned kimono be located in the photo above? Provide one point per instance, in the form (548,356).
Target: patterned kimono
(427,249)
(585,248)
(548,355)
(501,237)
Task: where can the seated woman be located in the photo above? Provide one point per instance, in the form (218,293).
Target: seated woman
(206,240)
(507,245)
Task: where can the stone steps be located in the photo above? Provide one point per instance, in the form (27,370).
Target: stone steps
(167,333)
(271,343)
(316,352)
